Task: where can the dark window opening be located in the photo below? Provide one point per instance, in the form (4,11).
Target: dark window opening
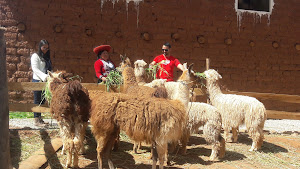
(255,5)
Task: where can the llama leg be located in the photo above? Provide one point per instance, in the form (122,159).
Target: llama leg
(162,152)
(214,151)
(135,147)
(222,147)
(184,141)
(78,141)
(261,138)
(63,137)
(101,141)
(235,134)
(68,141)
(82,151)
(117,141)
(257,138)
(154,155)
(227,134)
(69,147)
(108,149)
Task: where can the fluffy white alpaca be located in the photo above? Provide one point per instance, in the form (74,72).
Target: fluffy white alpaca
(139,71)
(236,110)
(202,114)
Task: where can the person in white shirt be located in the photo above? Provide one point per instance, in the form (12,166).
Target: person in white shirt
(40,64)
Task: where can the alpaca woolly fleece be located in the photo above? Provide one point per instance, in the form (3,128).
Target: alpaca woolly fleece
(236,110)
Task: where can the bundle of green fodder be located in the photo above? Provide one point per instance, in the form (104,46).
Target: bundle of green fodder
(114,79)
(151,71)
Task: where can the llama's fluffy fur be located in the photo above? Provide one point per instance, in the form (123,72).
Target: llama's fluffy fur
(202,114)
(152,120)
(130,86)
(70,106)
(139,71)
(236,110)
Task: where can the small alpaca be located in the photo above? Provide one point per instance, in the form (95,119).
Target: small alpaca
(202,114)
(155,121)
(139,71)
(236,110)
(70,106)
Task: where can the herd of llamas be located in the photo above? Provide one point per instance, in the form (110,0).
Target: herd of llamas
(160,114)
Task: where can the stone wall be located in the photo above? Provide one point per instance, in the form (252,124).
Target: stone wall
(257,54)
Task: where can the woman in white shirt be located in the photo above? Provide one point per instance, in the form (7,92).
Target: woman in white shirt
(40,64)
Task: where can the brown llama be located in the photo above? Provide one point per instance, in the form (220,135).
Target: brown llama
(156,121)
(70,106)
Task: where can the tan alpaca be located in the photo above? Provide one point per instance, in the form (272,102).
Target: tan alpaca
(155,121)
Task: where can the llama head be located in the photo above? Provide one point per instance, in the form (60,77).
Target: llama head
(186,75)
(139,69)
(139,64)
(125,62)
(212,75)
(58,77)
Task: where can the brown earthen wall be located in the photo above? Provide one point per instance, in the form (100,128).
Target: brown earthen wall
(66,25)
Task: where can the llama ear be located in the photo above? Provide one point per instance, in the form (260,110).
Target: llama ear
(190,67)
(50,74)
(184,65)
(122,58)
(59,75)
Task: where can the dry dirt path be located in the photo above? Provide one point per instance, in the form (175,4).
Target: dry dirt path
(279,150)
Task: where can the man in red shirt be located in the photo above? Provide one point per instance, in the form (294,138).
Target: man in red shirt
(167,63)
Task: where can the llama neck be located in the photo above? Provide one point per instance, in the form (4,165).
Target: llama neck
(129,78)
(140,79)
(53,84)
(213,89)
(178,91)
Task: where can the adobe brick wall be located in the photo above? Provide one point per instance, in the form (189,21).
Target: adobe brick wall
(65,24)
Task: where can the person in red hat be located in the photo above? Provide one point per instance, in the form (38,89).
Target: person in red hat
(103,65)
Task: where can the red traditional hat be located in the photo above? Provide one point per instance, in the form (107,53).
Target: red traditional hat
(101,48)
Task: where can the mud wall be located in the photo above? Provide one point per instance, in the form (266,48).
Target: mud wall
(254,54)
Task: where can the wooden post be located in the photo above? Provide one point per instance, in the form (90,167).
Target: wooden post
(207,67)
(4,112)
(207,63)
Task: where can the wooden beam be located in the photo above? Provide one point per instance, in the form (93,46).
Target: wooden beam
(36,86)
(269,96)
(19,107)
(272,114)
(29,107)
(41,156)
(25,86)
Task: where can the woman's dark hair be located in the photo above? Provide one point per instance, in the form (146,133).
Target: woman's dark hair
(168,44)
(45,56)
(99,54)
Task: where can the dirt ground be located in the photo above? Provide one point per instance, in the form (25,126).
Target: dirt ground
(278,151)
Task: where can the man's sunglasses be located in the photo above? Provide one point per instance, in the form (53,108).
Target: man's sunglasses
(165,50)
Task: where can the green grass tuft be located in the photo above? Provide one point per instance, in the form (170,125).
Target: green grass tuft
(114,78)
(46,93)
(20,115)
(151,71)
